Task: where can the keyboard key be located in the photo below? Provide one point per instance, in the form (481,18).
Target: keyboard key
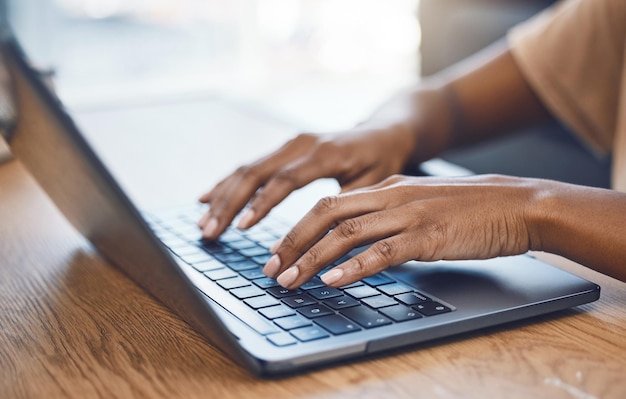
(214,247)
(355,284)
(240,310)
(412,298)
(400,313)
(315,282)
(366,317)
(230,235)
(291,322)
(235,282)
(254,251)
(378,279)
(197,257)
(262,259)
(379,301)
(241,244)
(259,302)
(267,243)
(243,265)
(361,292)
(394,289)
(173,242)
(297,301)
(337,324)
(185,229)
(253,274)
(324,293)
(212,264)
(193,234)
(341,302)
(265,282)
(274,312)
(306,334)
(181,247)
(220,274)
(431,308)
(246,292)
(229,257)
(281,292)
(261,235)
(313,311)
(281,339)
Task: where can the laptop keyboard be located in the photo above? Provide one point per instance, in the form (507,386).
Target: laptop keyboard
(233,266)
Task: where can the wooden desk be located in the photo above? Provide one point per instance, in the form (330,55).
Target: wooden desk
(72,326)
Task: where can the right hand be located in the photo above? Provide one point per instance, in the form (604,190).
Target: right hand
(356,158)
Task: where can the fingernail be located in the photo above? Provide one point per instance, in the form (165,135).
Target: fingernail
(210,228)
(332,276)
(246,219)
(288,276)
(276,245)
(272,266)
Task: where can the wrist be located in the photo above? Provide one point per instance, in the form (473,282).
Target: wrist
(423,116)
(581,223)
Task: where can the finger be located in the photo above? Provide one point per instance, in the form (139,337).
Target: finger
(206,198)
(237,190)
(378,257)
(361,182)
(319,220)
(227,200)
(347,235)
(279,186)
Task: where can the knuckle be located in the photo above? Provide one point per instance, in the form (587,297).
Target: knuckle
(289,242)
(261,201)
(326,147)
(247,172)
(349,229)
(312,258)
(242,170)
(385,251)
(288,176)
(327,204)
(358,268)
(432,242)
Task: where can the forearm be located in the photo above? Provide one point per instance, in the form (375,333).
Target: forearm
(481,97)
(587,225)
(489,96)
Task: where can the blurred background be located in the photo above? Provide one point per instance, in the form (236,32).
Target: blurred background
(337,57)
(162,72)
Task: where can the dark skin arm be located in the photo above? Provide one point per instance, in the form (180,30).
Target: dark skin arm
(423,218)
(480,98)
(429,219)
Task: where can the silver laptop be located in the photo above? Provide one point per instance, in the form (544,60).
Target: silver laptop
(218,288)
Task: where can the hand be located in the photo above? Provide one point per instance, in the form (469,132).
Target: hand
(406,218)
(356,158)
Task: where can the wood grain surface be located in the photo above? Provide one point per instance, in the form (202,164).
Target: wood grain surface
(73,326)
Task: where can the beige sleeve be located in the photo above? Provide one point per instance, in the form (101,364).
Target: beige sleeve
(572,56)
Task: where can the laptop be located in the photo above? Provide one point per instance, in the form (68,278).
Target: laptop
(218,288)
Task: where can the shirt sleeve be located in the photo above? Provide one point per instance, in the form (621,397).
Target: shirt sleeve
(572,56)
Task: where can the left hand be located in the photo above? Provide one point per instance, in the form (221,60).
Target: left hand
(408,218)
